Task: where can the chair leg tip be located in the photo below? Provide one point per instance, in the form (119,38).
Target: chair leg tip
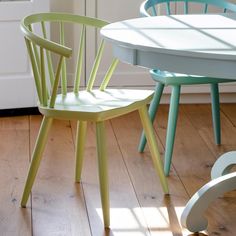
(166,189)
(77,178)
(107,225)
(166,172)
(23,205)
(218,142)
(166,192)
(141,148)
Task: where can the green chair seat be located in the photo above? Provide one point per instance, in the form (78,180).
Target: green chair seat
(171,78)
(97,105)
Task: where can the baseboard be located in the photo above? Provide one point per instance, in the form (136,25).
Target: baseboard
(19,111)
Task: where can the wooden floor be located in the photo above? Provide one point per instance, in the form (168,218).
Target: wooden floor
(58,206)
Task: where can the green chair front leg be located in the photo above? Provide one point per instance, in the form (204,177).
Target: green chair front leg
(151,139)
(36,158)
(171,127)
(152,112)
(215,107)
(102,170)
(79,148)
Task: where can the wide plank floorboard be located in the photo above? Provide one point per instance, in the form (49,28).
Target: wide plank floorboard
(57,202)
(126,219)
(59,206)
(14,159)
(193,159)
(154,204)
(200,116)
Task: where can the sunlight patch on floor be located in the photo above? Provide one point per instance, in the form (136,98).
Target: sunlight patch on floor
(124,218)
(160,221)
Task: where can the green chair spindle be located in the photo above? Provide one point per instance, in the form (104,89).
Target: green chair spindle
(186,7)
(43,78)
(79,60)
(168,8)
(63,69)
(48,54)
(95,67)
(35,69)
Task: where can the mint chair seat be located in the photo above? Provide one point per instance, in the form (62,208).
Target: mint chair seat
(49,61)
(175,80)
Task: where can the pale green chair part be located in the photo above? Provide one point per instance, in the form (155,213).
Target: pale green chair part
(95,105)
(223,180)
(175,80)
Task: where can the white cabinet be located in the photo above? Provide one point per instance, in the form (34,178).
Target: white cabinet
(16,80)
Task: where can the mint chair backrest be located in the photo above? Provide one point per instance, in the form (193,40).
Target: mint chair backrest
(43,52)
(149,7)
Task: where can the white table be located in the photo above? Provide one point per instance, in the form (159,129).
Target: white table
(192,44)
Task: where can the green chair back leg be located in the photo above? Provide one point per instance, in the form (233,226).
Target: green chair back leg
(164,78)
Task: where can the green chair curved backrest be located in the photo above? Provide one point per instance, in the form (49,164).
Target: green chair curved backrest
(49,60)
(149,7)
(164,78)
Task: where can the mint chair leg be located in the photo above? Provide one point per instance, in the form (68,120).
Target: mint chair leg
(215,106)
(152,112)
(79,151)
(151,139)
(36,157)
(103,172)
(171,127)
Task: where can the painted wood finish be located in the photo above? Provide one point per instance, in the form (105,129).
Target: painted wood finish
(200,47)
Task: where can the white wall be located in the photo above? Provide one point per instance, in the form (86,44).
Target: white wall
(120,11)
(76,6)
(59,5)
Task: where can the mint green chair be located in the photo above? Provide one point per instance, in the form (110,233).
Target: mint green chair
(96,105)
(165,78)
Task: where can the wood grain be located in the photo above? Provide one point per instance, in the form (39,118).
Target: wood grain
(161,212)
(57,202)
(14,159)
(124,218)
(138,206)
(200,118)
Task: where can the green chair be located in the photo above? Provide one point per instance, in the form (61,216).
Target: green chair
(95,105)
(165,78)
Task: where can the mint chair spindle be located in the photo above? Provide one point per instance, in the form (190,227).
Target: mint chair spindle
(82,105)
(164,78)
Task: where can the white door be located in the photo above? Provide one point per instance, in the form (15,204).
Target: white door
(16,80)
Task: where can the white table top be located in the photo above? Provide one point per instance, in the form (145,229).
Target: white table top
(196,44)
